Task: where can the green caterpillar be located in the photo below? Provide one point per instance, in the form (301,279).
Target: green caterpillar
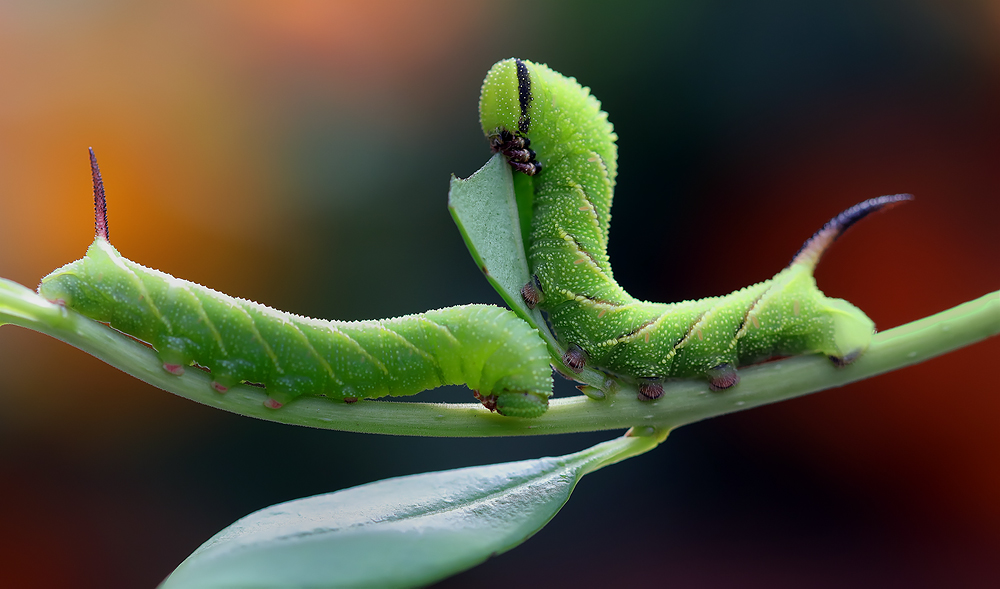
(552,129)
(485,347)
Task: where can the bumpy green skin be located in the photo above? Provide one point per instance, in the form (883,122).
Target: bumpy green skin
(567,253)
(570,133)
(784,316)
(487,348)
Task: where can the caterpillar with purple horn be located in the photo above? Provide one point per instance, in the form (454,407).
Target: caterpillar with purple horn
(487,348)
(553,130)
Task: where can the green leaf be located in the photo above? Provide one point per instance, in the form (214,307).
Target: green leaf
(486,213)
(491,216)
(401,532)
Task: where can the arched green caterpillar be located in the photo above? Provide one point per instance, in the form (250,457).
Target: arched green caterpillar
(525,106)
(485,347)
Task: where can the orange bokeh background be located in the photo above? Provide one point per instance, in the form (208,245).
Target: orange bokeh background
(298,153)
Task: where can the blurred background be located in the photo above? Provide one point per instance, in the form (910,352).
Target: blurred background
(298,153)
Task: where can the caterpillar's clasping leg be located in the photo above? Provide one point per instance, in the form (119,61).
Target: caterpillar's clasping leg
(722,377)
(532,293)
(488,401)
(575,358)
(650,390)
(841,361)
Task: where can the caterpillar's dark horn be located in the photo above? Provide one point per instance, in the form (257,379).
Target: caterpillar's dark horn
(100,202)
(813,249)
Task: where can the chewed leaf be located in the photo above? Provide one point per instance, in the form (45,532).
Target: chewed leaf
(401,532)
(486,208)
(485,211)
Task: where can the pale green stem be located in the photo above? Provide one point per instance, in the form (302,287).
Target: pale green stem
(613,451)
(683,401)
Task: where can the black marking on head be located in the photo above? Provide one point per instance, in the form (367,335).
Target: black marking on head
(523,95)
(100,202)
(814,247)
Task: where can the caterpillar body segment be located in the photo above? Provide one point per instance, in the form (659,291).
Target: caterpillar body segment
(487,348)
(600,324)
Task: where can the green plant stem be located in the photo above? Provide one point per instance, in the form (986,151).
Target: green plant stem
(683,402)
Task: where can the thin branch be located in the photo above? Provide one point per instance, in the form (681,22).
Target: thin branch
(683,402)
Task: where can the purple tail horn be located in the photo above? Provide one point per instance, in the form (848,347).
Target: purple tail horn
(100,202)
(814,247)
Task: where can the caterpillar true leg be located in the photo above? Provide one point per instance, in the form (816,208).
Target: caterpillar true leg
(515,148)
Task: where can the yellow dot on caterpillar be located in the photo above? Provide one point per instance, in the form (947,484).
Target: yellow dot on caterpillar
(755,322)
(647,337)
(585,208)
(795,308)
(700,337)
(579,261)
(601,313)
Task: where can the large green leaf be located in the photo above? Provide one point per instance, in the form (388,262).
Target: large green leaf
(401,532)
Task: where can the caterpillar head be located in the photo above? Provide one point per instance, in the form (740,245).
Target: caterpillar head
(851,331)
(500,99)
(505,114)
(77,285)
